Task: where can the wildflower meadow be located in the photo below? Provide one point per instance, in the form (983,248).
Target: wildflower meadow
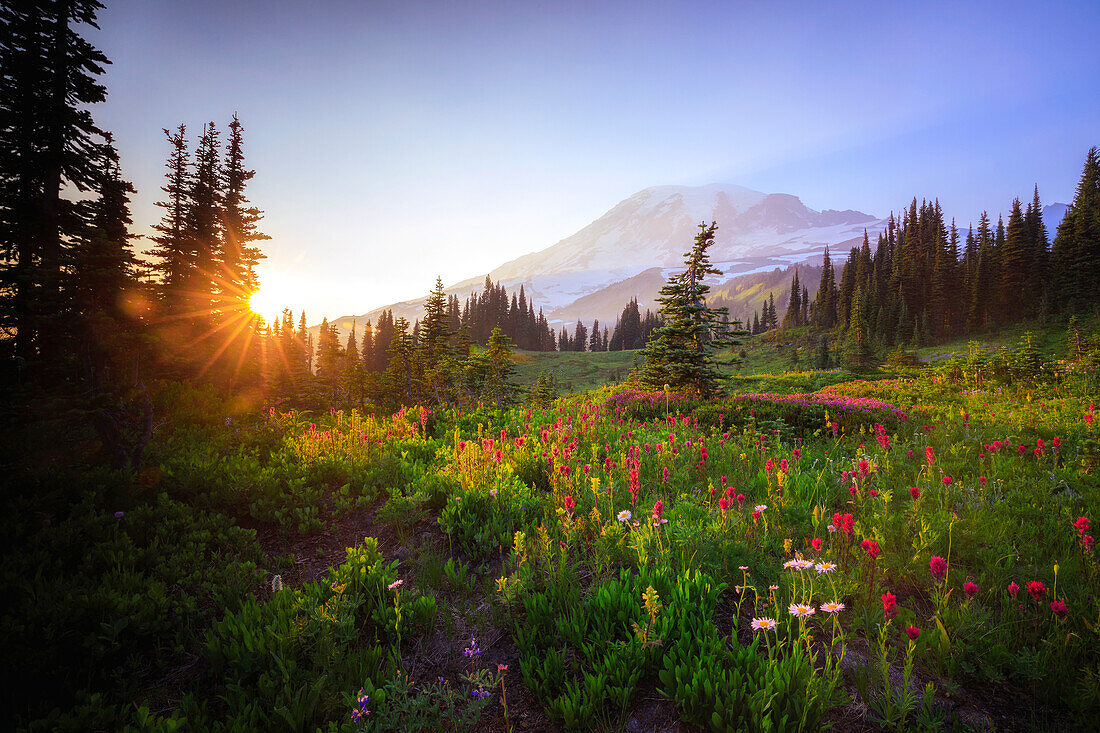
(910,553)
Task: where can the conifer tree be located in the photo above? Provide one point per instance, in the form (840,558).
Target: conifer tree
(500,369)
(239,255)
(825,312)
(399,372)
(50,144)
(173,245)
(203,224)
(794,307)
(1015,265)
(681,351)
(580,337)
(105,272)
(1075,255)
(860,352)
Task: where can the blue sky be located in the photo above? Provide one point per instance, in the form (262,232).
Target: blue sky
(397,141)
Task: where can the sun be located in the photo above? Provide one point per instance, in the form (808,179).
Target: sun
(270,298)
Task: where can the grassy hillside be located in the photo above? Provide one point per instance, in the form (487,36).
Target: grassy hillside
(788,352)
(575,371)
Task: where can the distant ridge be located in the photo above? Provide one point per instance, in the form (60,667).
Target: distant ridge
(629,251)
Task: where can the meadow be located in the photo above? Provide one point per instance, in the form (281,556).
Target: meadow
(909,552)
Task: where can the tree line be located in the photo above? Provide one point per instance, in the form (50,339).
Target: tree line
(78,305)
(924,280)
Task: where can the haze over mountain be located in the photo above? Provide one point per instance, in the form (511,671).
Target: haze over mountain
(630,251)
(631,248)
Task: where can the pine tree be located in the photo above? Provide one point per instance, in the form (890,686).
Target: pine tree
(500,369)
(580,337)
(1017,298)
(435,340)
(794,307)
(239,255)
(435,332)
(860,352)
(204,225)
(681,352)
(1075,255)
(399,372)
(173,245)
(105,273)
(825,301)
(50,144)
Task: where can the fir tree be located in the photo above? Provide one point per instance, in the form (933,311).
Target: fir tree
(173,245)
(1075,255)
(239,255)
(792,317)
(500,369)
(825,312)
(203,223)
(1015,265)
(48,82)
(681,352)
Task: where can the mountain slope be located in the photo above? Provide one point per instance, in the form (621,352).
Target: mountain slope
(631,249)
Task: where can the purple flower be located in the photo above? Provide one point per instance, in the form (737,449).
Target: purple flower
(471,651)
(119,515)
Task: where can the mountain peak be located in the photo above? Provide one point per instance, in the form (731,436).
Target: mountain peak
(649,231)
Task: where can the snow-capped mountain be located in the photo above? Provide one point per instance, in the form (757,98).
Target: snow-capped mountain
(654,227)
(630,250)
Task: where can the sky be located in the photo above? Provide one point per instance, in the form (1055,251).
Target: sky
(395,142)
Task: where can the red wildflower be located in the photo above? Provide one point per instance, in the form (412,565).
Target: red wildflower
(914,492)
(740,500)
(930,454)
(889,605)
(853,491)
(871,548)
(969,588)
(937,566)
(947,480)
(768,465)
(1082,525)
(730,491)
(1013,589)
(816,542)
(569,504)
(873,493)
(912,632)
(658,509)
(723,504)
(1059,608)
(756,515)
(1036,589)
(982,480)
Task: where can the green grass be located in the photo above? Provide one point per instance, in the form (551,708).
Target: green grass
(576,371)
